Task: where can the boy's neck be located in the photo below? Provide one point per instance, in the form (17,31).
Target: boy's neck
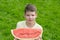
(31,24)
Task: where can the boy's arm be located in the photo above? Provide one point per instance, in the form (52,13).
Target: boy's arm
(15,39)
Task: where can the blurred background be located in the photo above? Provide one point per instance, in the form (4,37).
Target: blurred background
(12,11)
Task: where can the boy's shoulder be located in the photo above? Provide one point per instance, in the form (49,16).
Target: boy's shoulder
(20,22)
(38,26)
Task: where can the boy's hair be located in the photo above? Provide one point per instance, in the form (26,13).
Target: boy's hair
(30,7)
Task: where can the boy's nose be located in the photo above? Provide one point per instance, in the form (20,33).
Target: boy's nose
(30,17)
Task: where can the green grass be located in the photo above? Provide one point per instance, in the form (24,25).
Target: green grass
(12,11)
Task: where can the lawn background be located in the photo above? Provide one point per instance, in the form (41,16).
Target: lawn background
(12,11)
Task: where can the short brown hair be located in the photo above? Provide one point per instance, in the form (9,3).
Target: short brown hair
(30,7)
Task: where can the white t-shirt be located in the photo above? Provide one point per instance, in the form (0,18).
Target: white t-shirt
(22,24)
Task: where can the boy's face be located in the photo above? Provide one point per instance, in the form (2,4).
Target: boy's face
(30,16)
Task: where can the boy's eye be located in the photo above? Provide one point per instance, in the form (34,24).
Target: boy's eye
(27,15)
(32,15)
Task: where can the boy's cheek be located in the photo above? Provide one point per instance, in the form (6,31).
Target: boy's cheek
(33,18)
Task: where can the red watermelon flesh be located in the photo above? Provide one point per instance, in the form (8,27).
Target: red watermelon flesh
(26,33)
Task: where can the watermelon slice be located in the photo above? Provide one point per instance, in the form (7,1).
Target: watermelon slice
(25,33)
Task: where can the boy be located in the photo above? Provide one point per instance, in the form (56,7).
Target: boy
(30,16)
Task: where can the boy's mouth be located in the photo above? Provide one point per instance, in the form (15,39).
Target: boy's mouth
(30,20)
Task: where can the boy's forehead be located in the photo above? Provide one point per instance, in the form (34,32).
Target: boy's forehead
(29,12)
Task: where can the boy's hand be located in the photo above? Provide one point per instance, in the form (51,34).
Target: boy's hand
(16,39)
(39,38)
